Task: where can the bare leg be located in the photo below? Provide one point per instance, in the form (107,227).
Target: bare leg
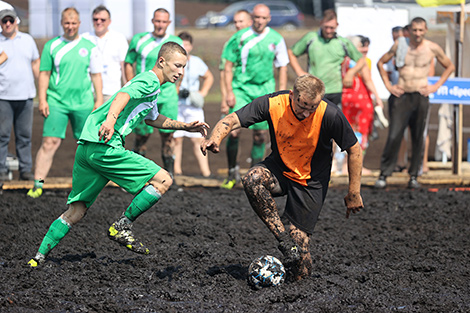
(179,155)
(425,156)
(305,264)
(45,156)
(75,212)
(202,160)
(260,186)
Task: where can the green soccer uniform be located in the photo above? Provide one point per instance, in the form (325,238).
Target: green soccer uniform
(97,163)
(70,63)
(143,50)
(325,58)
(253,56)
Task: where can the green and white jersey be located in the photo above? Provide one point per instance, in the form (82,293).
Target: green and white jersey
(325,57)
(253,56)
(143,91)
(70,64)
(143,51)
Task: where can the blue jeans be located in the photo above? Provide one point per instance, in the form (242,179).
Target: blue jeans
(19,114)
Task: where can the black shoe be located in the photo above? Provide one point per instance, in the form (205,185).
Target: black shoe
(413,183)
(289,249)
(381,183)
(26,176)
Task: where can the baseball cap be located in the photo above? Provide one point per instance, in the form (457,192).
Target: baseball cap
(5,13)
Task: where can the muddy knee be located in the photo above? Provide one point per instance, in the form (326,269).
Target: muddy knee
(255,176)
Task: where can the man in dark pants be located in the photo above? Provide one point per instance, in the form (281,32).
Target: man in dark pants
(411,106)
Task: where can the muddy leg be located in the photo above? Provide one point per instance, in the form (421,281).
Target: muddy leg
(305,264)
(260,186)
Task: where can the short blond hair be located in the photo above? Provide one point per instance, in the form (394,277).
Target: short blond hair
(168,49)
(72,9)
(309,86)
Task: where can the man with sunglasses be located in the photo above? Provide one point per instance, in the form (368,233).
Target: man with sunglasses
(113,47)
(302,125)
(17,91)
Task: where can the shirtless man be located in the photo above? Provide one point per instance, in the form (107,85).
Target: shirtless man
(412,104)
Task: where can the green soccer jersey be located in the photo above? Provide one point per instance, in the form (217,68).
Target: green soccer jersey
(325,58)
(143,51)
(253,56)
(143,90)
(70,63)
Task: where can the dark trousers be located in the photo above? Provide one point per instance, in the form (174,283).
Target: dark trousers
(19,115)
(411,109)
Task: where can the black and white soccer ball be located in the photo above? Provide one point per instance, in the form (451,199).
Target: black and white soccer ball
(266,271)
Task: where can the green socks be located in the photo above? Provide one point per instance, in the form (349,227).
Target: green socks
(58,229)
(143,201)
(38,183)
(232,151)
(257,153)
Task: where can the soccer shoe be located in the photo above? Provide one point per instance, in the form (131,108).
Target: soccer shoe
(228,184)
(381,183)
(124,236)
(34,193)
(290,251)
(413,183)
(39,259)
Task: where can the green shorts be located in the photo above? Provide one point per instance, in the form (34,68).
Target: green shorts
(247,95)
(55,125)
(169,109)
(97,164)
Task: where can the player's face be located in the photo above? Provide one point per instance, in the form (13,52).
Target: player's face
(101,21)
(70,24)
(261,18)
(161,21)
(328,28)
(8,25)
(173,66)
(302,106)
(417,32)
(242,20)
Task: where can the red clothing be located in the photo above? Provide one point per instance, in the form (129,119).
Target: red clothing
(357,106)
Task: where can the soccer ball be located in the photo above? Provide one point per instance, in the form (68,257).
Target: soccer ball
(266,271)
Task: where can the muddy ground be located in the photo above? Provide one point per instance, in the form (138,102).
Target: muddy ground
(407,251)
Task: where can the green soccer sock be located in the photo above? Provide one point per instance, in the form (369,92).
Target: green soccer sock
(143,201)
(257,153)
(58,229)
(38,183)
(232,151)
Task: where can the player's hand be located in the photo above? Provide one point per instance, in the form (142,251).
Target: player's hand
(44,108)
(396,90)
(106,131)
(197,126)
(211,145)
(426,91)
(230,99)
(353,202)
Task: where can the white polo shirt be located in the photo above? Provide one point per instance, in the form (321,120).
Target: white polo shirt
(16,73)
(113,47)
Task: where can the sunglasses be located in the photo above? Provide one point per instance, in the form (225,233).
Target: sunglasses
(6,20)
(102,20)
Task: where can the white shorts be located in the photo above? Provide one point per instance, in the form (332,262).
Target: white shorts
(188,114)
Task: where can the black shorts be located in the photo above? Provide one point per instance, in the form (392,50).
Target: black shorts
(304,203)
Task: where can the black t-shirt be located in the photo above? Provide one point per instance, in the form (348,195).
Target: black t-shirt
(334,126)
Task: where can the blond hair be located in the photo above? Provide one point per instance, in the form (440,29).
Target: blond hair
(309,86)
